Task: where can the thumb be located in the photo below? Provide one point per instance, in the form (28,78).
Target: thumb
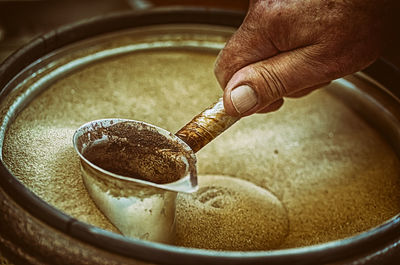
(255,87)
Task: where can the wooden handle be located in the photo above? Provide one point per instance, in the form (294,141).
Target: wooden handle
(203,128)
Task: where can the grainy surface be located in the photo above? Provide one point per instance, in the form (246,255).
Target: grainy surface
(133,151)
(231,214)
(330,170)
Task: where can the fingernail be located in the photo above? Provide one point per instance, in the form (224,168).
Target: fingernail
(243,98)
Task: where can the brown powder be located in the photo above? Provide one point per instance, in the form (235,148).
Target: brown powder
(137,153)
(331,171)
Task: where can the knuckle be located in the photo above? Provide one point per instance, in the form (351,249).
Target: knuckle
(271,83)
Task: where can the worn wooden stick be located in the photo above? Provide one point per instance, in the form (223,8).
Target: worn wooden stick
(206,126)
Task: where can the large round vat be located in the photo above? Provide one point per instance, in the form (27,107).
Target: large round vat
(329,160)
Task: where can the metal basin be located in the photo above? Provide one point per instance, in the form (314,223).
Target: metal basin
(33,231)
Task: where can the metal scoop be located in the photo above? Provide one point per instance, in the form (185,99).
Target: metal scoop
(133,170)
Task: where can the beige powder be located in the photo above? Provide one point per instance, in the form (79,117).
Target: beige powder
(230,214)
(333,173)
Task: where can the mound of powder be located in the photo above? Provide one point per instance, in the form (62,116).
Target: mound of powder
(230,214)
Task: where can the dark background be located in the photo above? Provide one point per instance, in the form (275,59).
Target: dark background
(22,20)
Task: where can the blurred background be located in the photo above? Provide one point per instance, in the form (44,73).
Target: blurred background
(22,20)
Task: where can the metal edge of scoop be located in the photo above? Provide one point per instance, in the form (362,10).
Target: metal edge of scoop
(186,184)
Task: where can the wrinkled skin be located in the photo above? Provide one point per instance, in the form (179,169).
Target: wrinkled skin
(288,48)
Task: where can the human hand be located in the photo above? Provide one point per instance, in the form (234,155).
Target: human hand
(288,48)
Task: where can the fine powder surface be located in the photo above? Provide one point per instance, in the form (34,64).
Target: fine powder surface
(333,174)
(230,206)
(134,152)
